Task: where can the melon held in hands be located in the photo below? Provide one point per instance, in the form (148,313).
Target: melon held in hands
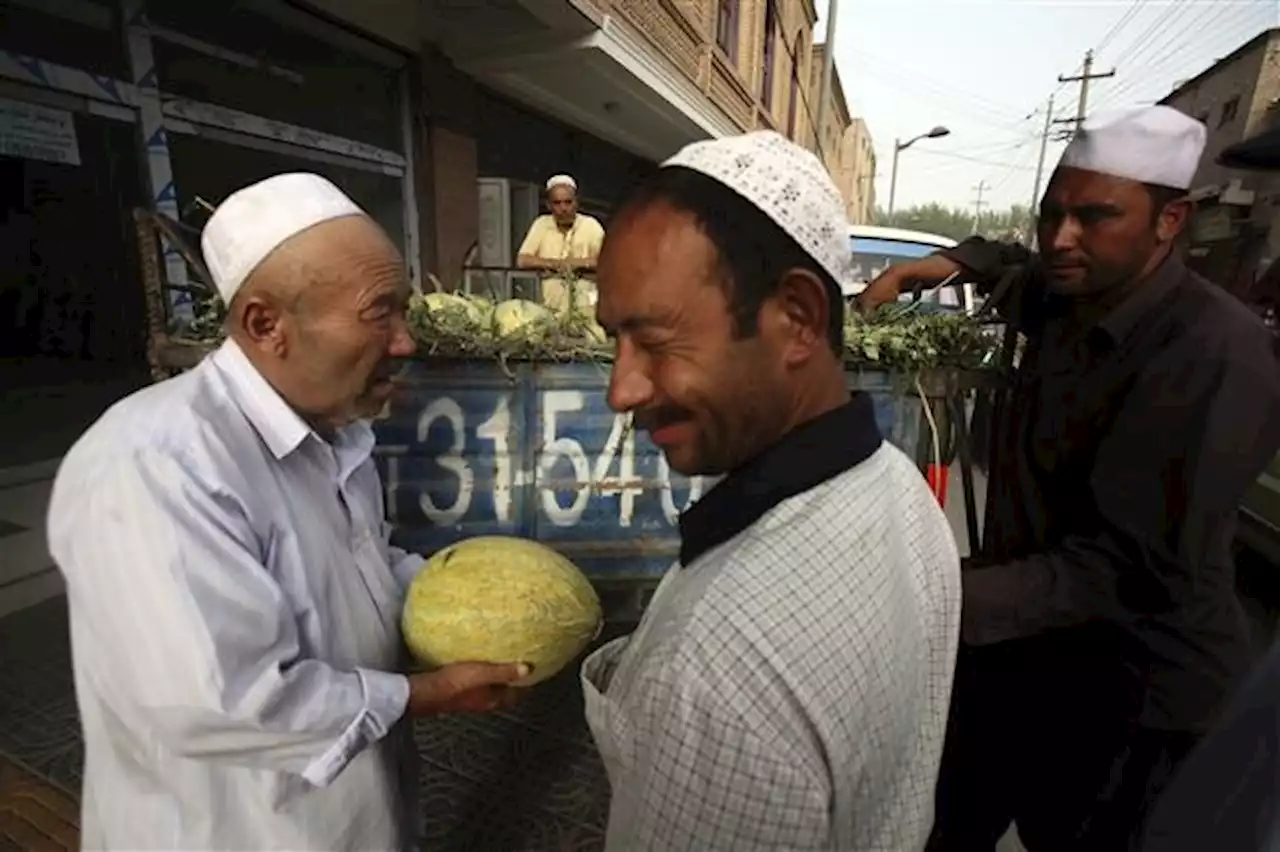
(500,599)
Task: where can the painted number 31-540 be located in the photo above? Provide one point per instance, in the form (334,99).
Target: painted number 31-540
(563,496)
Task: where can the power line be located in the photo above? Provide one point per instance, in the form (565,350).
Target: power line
(946,87)
(1119,25)
(1229,35)
(930,152)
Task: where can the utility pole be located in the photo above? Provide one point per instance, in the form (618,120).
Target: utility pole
(824,89)
(982,187)
(1083,79)
(1035,189)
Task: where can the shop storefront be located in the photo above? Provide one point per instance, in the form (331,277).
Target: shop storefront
(106,105)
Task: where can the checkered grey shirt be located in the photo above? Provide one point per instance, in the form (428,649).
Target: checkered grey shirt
(789,689)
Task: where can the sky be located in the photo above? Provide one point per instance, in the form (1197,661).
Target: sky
(985,70)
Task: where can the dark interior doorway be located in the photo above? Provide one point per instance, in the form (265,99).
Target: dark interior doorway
(72,314)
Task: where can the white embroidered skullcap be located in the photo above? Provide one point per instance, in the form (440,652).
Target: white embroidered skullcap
(561,180)
(788,183)
(1155,144)
(252,222)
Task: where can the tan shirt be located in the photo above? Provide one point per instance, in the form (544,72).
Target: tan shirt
(547,241)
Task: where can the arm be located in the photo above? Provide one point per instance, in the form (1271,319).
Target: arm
(984,260)
(527,256)
(165,570)
(1198,427)
(404,565)
(705,767)
(594,242)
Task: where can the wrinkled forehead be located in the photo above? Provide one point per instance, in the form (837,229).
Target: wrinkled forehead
(343,258)
(655,261)
(561,192)
(1073,187)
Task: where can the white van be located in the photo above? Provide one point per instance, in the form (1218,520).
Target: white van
(875,249)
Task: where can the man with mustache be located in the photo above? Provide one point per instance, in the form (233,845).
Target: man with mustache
(787,687)
(1101,627)
(234,599)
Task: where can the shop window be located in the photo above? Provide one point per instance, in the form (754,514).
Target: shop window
(210,170)
(272,71)
(727,28)
(79,312)
(1229,111)
(88,37)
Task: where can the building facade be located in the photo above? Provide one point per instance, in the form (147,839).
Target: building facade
(1235,231)
(442,118)
(858,162)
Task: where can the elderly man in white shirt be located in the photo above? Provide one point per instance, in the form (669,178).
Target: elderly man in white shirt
(788,687)
(233,595)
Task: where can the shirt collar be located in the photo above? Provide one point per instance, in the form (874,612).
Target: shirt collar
(1121,320)
(279,426)
(804,458)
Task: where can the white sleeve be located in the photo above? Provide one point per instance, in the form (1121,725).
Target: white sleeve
(404,565)
(165,573)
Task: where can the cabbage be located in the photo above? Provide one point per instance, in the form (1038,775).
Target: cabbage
(520,317)
(500,599)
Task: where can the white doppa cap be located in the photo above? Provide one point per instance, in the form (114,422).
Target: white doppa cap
(252,222)
(561,180)
(1155,144)
(787,183)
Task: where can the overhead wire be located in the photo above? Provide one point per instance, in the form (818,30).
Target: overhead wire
(1118,26)
(1167,66)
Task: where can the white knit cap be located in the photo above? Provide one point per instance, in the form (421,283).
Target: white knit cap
(1155,144)
(788,183)
(561,180)
(252,222)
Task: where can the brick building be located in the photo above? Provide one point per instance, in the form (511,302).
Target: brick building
(1235,231)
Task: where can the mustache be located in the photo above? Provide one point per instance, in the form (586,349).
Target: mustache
(390,370)
(1064,257)
(652,419)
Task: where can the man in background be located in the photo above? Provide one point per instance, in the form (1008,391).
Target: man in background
(563,246)
(1101,630)
(234,600)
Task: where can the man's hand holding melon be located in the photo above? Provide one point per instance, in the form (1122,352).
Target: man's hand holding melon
(489,615)
(464,688)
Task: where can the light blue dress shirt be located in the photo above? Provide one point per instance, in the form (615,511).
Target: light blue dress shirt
(235,610)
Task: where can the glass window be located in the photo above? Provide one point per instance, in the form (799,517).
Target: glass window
(211,170)
(90,40)
(727,28)
(275,72)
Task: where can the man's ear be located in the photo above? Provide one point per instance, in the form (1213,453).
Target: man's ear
(260,321)
(1173,220)
(800,310)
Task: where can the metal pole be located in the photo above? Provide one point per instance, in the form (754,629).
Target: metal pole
(1035,189)
(893,175)
(824,89)
(1083,79)
(977,205)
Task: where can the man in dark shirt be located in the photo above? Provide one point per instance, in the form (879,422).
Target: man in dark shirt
(1101,628)
(1227,794)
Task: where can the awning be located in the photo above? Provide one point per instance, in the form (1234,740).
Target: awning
(1258,152)
(608,82)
